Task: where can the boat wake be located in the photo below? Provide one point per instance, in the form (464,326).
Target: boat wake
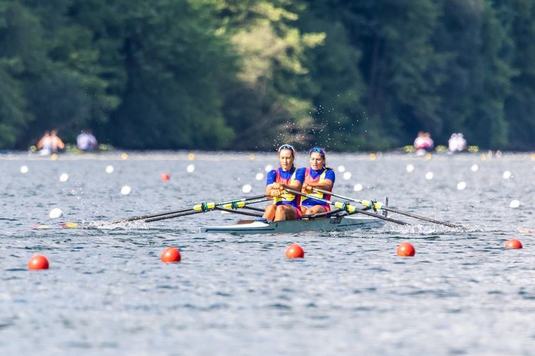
(106,225)
(425,229)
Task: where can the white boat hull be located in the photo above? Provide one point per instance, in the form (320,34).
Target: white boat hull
(319,224)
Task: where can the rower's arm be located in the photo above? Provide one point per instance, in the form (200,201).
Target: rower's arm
(272,187)
(327,184)
(295,185)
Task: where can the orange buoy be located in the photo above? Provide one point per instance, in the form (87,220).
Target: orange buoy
(165,177)
(295,251)
(38,262)
(513,244)
(170,255)
(405,249)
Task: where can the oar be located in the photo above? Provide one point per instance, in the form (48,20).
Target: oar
(377,206)
(150,216)
(321,215)
(205,207)
(351,209)
(234,211)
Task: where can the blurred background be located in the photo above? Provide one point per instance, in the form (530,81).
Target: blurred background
(251,74)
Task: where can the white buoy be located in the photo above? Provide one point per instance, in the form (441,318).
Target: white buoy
(125,190)
(190,168)
(109,169)
(55,213)
(347,175)
(461,185)
(24,169)
(507,174)
(341,169)
(63,177)
(259,176)
(514,204)
(429,175)
(268,168)
(474,168)
(246,188)
(409,168)
(358,187)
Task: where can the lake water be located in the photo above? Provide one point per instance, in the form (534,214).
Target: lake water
(107,292)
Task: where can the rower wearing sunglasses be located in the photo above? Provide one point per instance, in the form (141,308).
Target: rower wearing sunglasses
(285,205)
(318,175)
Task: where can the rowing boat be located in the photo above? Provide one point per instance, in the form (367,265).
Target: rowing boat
(328,224)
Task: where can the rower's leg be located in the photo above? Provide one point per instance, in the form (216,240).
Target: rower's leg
(269,213)
(280,214)
(316,209)
(284,212)
(291,213)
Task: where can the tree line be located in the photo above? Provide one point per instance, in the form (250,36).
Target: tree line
(250,74)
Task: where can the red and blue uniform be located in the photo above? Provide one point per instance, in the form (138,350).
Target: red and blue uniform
(286,177)
(317,176)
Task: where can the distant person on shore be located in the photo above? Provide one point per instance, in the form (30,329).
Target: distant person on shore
(423,143)
(50,143)
(86,141)
(44,145)
(456,143)
(56,142)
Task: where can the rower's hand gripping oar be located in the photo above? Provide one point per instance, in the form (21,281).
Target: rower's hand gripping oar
(350,209)
(378,206)
(197,208)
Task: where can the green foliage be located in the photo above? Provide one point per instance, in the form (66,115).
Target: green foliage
(251,74)
(175,64)
(520,105)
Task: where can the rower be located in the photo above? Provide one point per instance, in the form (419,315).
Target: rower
(285,205)
(317,176)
